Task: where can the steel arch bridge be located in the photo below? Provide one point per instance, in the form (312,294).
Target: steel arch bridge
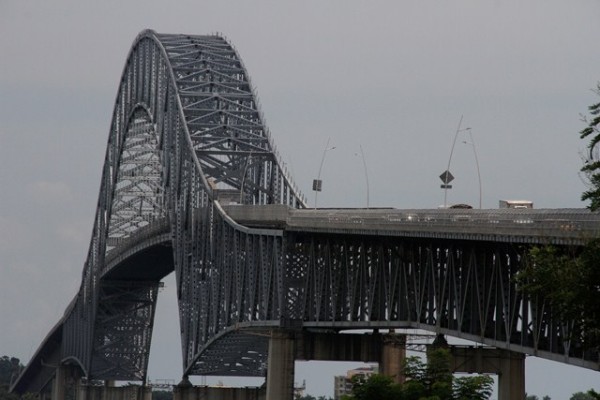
(192,182)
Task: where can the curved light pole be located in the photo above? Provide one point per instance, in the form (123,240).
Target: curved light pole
(362,155)
(446,176)
(317,184)
(472,143)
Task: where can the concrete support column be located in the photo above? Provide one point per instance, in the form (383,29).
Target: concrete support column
(59,386)
(106,393)
(183,389)
(65,382)
(82,392)
(511,379)
(393,354)
(509,366)
(280,371)
(217,393)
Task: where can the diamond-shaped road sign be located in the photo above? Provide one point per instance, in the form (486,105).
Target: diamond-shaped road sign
(446,177)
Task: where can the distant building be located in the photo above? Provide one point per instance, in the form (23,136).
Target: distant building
(343,383)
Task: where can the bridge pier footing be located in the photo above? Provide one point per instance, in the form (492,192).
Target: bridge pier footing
(108,392)
(217,393)
(393,354)
(65,383)
(509,366)
(280,370)
(287,346)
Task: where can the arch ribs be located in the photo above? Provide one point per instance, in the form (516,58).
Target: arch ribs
(187,136)
(186,132)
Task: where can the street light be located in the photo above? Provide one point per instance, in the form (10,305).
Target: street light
(362,155)
(446,176)
(472,143)
(317,183)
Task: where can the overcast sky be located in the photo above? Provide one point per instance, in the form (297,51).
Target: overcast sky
(392,77)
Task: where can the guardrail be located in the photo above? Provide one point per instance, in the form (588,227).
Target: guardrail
(519,225)
(118,246)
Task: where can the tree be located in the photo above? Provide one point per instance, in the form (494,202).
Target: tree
(592,159)
(545,267)
(589,395)
(432,380)
(9,366)
(376,386)
(478,387)
(569,281)
(438,378)
(162,395)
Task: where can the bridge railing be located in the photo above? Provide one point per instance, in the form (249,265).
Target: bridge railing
(155,229)
(574,225)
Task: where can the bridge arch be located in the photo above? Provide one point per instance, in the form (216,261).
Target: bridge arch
(186,134)
(188,159)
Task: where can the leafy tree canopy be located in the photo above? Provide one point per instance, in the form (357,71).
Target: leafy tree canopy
(309,397)
(589,395)
(425,381)
(8,367)
(592,159)
(162,395)
(569,282)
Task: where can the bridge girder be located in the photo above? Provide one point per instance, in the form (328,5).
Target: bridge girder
(187,136)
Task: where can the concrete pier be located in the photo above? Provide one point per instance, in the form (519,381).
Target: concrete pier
(509,366)
(217,393)
(286,346)
(280,370)
(65,383)
(393,354)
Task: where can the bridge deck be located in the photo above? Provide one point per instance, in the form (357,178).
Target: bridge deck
(558,226)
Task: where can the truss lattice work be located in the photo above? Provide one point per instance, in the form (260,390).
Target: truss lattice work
(187,138)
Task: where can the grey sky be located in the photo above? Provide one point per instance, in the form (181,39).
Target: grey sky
(391,76)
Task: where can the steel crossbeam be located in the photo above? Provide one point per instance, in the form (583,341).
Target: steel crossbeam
(188,154)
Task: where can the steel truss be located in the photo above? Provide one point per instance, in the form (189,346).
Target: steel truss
(463,288)
(186,131)
(123,328)
(187,136)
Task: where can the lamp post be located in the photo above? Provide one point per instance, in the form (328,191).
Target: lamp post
(446,175)
(472,143)
(317,183)
(362,155)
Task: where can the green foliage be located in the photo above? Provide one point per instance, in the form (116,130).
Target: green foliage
(569,283)
(162,395)
(582,396)
(8,367)
(376,386)
(306,397)
(589,395)
(592,161)
(478,387)
(547,266)
(424,381)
